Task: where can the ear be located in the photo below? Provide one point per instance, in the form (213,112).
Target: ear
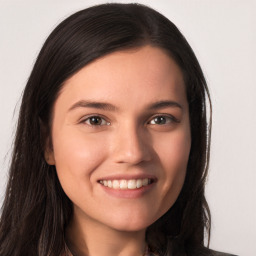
(46,143)
(48,153)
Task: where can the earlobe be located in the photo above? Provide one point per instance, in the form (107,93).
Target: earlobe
(46,144)
(49,153)
(49,157)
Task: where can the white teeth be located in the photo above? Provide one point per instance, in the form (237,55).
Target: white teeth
(123,184)
(126,184)
(115,184)
(109,183)
(139,183)
(131,184)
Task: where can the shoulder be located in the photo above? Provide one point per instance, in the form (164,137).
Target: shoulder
(215,253)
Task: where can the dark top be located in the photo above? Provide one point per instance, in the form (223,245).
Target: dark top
(215,253)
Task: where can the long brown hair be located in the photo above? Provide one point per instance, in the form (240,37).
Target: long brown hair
(36,211)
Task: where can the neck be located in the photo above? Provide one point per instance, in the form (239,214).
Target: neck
(90,238)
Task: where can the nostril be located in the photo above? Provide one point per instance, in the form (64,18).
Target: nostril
(131,144)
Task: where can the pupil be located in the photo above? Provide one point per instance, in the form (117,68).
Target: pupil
(95,120)
(160,120)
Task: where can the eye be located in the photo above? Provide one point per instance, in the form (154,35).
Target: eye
(162,120)
(95,121)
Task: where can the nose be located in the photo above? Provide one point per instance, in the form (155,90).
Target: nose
(131,145)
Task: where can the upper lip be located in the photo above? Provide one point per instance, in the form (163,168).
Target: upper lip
(128,177)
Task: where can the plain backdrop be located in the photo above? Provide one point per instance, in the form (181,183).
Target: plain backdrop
(223,36)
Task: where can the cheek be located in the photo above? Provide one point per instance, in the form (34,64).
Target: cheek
(173,154)
(173,151)
(76,156)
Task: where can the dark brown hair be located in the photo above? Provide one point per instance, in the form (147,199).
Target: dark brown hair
(36,211)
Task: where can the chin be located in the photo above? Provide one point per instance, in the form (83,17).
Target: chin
(133,222)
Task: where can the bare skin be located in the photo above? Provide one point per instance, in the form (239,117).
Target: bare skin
(123,119)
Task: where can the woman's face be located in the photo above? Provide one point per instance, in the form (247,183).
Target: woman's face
(121,138)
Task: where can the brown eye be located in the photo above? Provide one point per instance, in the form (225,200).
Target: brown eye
(159,120)
(96,121)
(162,120)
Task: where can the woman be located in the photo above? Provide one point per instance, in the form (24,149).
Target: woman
(112,144)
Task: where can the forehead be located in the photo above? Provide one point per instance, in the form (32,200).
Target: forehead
(137,75)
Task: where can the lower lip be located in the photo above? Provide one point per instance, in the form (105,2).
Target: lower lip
(128,193)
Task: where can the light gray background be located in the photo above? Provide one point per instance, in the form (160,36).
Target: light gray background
(222,34)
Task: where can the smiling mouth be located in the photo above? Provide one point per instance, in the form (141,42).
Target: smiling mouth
(126,184)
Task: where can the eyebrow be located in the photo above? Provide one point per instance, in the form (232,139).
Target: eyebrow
(164,104)
(109,107)
(93,104)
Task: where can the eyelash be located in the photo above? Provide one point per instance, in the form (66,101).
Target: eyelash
(170,118)
(96,117)
(167,117)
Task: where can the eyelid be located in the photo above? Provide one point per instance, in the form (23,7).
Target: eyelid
(173,118)
(85,118)
(169,116)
